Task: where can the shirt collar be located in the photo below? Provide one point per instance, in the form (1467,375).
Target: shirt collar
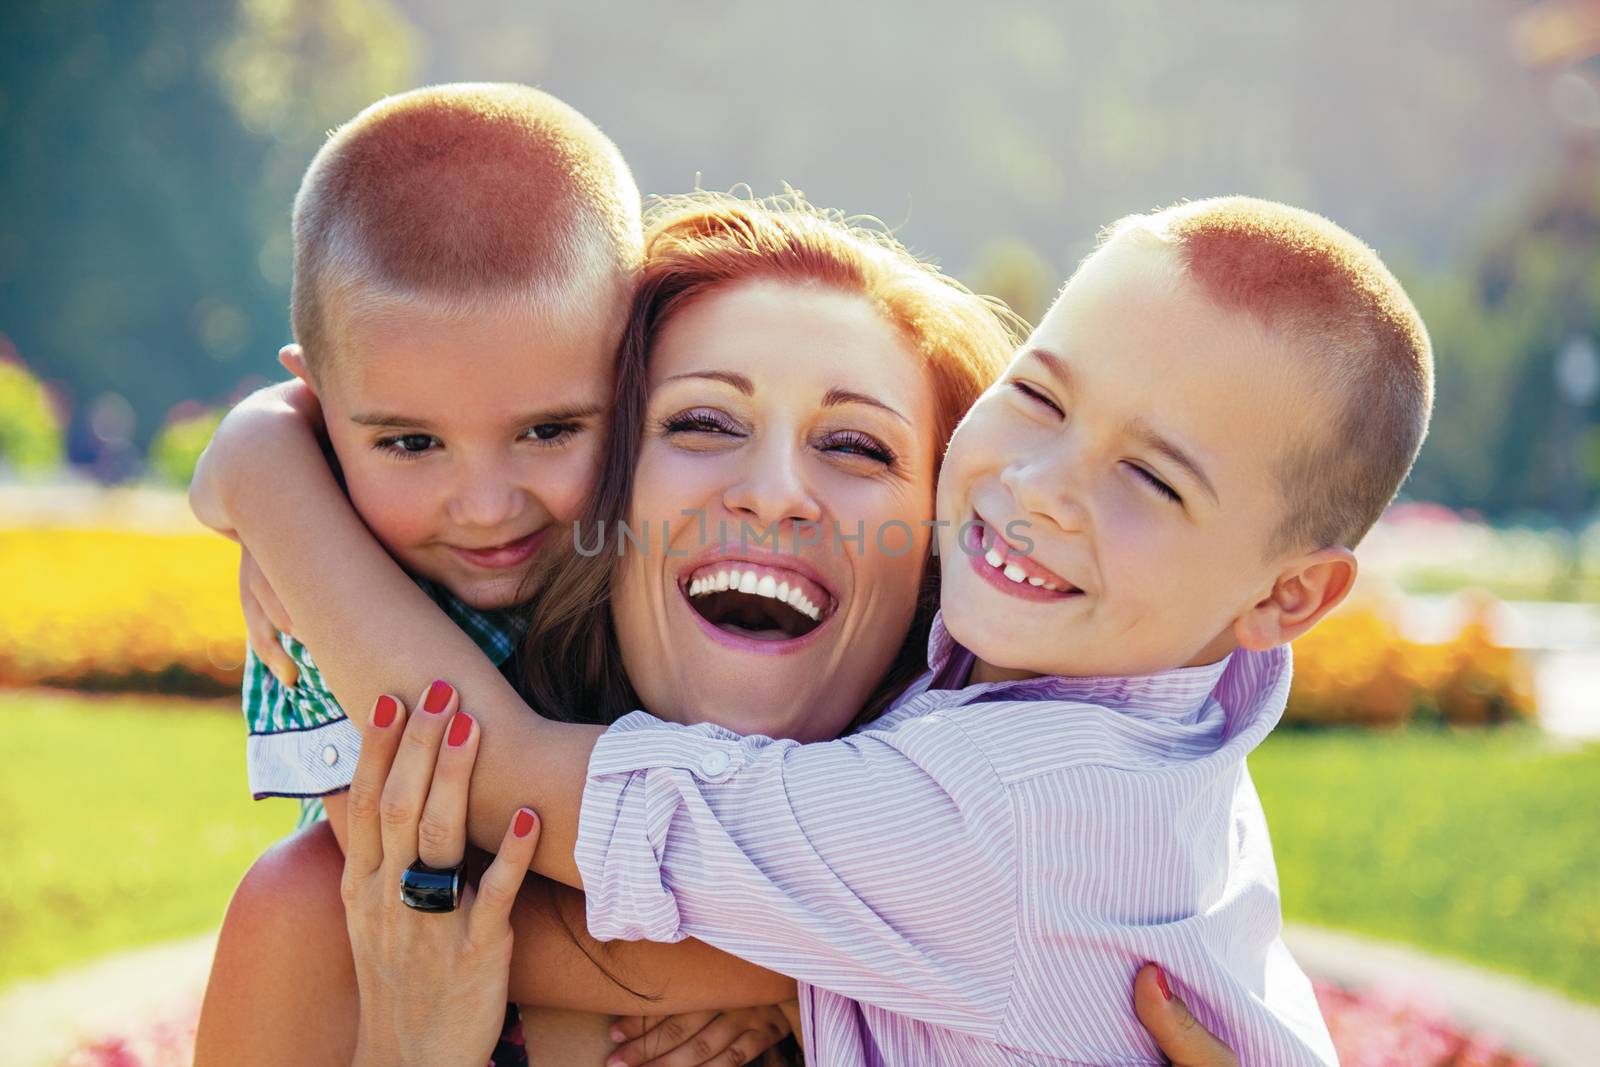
(1245,683)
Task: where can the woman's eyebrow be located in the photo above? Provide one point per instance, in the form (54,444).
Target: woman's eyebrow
(834,397)
(726,377)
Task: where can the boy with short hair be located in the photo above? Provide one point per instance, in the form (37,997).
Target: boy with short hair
(463,262)
(1217,408)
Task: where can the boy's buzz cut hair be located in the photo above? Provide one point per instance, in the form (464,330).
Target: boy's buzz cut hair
(464,196)
(1332,299)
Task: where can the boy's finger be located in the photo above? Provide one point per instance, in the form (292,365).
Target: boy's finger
(380,737)
(682,1037)
(270,604)
(1180,1035)
(412,772)
(490,918)
(263,638)
(628,1027)
(442,833)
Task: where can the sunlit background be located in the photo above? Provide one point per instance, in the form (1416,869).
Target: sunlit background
(1433,799)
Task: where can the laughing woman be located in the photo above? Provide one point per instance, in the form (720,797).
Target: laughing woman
(781,372)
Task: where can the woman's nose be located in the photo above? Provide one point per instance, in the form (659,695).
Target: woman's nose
(772,489)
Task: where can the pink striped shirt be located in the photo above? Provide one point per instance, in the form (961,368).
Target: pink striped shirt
(974,878)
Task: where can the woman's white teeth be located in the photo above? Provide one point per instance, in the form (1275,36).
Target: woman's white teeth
(759,585)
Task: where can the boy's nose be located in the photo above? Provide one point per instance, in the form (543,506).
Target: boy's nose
(487,502)
(1046,487)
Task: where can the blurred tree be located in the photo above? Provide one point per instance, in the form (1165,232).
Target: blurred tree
(151,154)
(1501,441)
(177,447)
(30,432)
(1014,272)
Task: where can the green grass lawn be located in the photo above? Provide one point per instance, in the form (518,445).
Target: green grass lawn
(1484,846)
(123,821)
(127,821)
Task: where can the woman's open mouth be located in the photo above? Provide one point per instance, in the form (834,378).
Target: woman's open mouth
(755,602)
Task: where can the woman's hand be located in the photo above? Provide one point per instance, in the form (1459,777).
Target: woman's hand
(432,984)
(1180,1035)
(264,619)
(698,1039)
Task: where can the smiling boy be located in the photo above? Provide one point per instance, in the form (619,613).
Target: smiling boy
(463,262)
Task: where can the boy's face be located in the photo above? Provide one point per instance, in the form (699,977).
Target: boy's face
(467,440)
(1132,372)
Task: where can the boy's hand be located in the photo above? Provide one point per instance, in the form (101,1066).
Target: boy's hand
(264,619)
(698,1039)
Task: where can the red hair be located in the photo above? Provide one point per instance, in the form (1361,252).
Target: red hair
(1348,319)
(463,194)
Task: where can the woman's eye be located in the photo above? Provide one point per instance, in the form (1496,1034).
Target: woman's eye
(699,420)
(1158,485)
(1035,396)
(856,443)
(408,445)
(552,433)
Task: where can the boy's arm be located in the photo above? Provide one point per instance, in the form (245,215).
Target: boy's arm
(375,631)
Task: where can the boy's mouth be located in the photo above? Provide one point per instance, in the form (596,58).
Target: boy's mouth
(501,556)
(1010,570)
(756,602)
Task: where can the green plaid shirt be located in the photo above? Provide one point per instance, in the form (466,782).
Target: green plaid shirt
(302,744)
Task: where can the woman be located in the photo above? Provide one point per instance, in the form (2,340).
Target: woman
(796,369)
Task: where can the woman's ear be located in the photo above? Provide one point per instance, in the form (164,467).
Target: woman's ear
(1306,589)
(293,359)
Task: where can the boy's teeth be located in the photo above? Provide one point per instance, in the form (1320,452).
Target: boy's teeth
(1035,581)
(993,558)
(1014,572)
(1052,586)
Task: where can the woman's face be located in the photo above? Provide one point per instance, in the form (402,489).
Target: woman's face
(778,520)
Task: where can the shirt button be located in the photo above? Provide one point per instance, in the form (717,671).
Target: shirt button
(330,755)
(714,763)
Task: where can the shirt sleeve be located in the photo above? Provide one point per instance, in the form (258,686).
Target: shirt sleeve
(301,744)
(880,866)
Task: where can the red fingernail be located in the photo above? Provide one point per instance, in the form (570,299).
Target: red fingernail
(384,711)
(438,696)
(460,729)
(523,825)
(1161,983)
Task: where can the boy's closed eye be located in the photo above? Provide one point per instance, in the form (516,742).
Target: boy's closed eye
(1037,397)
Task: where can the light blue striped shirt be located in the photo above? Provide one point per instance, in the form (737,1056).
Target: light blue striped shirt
(974,878)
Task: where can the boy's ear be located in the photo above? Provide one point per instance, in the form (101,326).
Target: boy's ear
(1306,590)
(293,359)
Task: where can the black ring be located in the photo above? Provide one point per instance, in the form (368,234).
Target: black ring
(431,888)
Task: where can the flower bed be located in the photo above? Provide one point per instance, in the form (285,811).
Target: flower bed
(1354,669)
(112,609)
(1369,1030)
